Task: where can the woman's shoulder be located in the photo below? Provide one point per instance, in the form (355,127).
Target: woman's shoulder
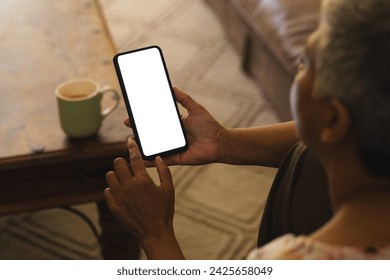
(303,247)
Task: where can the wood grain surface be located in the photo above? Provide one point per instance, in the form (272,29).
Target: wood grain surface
(44,43)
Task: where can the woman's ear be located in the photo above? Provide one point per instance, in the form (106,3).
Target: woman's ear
(336,122)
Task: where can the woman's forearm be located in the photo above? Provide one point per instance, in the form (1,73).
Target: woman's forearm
(165,248)
(265,145)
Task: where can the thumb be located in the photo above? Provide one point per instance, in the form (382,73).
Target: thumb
(164,174)
(186,101)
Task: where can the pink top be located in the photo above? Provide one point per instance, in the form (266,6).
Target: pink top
(302,247)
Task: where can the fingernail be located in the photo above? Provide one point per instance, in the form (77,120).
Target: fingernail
(159,159)
(130,143)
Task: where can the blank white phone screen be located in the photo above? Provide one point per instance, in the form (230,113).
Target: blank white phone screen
(152,105)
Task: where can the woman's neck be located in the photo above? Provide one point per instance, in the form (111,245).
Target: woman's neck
(361,203)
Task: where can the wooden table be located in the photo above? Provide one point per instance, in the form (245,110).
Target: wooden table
(43,43)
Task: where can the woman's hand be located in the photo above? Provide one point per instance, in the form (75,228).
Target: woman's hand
(204,134)
(144,208)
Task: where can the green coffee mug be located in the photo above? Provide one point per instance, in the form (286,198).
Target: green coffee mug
(79,106)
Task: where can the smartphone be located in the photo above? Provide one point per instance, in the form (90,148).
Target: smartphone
(150,102)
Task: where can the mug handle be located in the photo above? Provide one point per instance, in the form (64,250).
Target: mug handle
(116,96)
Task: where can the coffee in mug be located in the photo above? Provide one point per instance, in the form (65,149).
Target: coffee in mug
(79,106)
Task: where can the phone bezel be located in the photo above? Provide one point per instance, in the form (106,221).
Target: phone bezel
(129,110)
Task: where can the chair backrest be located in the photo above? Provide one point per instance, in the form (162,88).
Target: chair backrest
(298,201)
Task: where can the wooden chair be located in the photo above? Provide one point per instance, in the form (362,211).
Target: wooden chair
(298,201)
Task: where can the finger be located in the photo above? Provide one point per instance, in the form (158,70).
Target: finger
(127,122)
(111,179)
(110,199)
(136,161)
(122,170)
(164,174)
(169,160)
(186,101)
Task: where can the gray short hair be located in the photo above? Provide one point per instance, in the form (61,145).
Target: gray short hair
(354,66)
